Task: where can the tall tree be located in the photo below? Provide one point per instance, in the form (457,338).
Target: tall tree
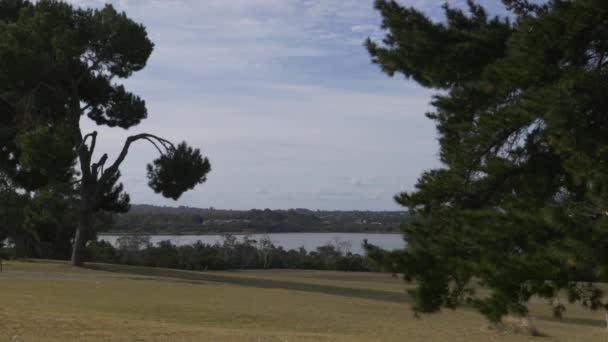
(519,204)
(59,63)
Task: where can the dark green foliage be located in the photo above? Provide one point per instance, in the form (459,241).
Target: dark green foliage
(12,205)
(230,254)
(59,63)
(121,44)
(9,9)
(177,171)
(50,221)
(40,224)
(122,109)
(112,198)
(436,55)
(53,59)
(102,251)
(47,151)
(519,205)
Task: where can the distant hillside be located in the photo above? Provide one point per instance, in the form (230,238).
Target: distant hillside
(150,219)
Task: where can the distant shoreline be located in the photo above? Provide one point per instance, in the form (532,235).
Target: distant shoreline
(234,233)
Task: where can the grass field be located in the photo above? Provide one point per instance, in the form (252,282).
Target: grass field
(50,301)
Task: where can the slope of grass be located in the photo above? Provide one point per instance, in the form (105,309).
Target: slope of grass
(54,302)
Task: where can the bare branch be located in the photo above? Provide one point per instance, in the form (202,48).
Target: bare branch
(99,164)
(93,143)
(153,143)
(600,60)
(89,106)
(92,135)
(102,160)
(125,150)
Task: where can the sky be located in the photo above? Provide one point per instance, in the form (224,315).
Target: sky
(283,99)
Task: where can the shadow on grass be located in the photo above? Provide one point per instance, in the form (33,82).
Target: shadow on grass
(196,277)
(590,322)
(201,277)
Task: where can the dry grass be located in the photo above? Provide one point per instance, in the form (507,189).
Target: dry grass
(54,302)
(359,280)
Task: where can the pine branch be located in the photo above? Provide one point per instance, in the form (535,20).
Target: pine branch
(167,145)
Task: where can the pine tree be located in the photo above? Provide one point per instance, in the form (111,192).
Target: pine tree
(59,63)
(519,205)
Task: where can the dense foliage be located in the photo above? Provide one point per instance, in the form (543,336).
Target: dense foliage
(232,253)
(519,205)
(59,63)
(41,224)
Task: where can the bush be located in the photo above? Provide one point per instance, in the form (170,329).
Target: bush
(230,254)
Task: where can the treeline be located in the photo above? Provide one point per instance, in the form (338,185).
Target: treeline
(41,224)
(231,253)
(149,219)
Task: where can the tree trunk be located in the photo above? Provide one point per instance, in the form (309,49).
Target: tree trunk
(84,225)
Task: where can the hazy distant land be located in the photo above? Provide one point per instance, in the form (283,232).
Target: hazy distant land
(150,219)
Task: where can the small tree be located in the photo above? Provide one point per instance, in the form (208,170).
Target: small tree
(57,64)
(133,242)
(265,248)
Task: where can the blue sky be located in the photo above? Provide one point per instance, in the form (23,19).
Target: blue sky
(282,97)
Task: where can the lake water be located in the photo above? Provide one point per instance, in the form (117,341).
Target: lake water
(288,241)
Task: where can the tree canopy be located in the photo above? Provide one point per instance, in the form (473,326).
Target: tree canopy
(519,205)
(59,63)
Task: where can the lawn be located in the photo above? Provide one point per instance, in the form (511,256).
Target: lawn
(44,301)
